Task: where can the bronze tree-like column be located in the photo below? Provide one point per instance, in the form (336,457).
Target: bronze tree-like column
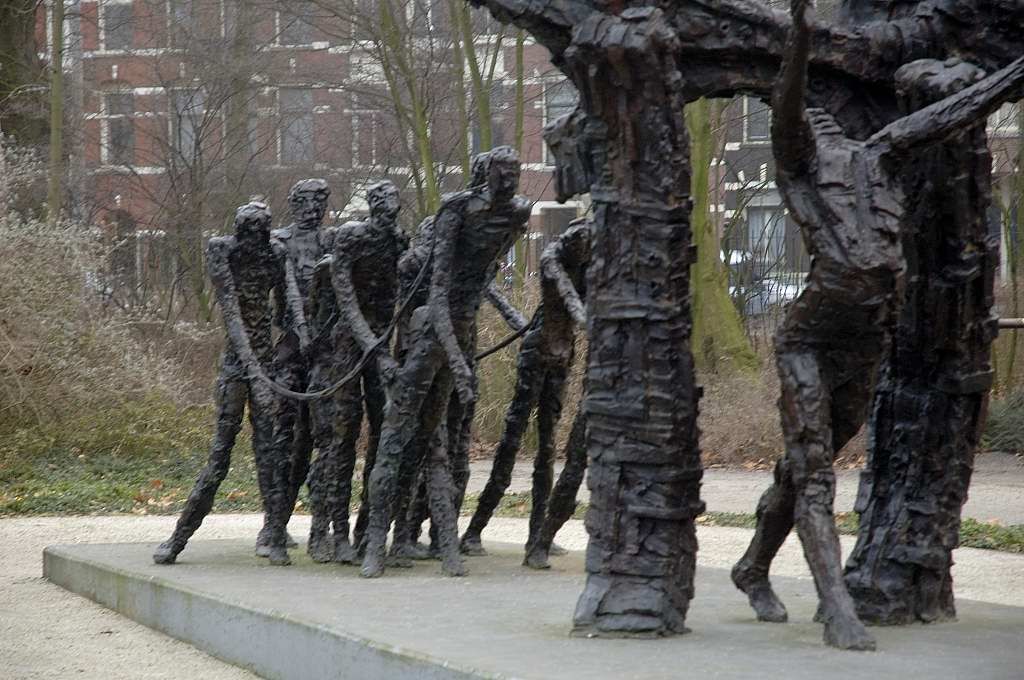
(641,403)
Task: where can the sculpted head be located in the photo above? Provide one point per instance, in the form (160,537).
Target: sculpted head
(252,222)
(478,169)
(383,200)
(926,81)
(308,202)
(503,172)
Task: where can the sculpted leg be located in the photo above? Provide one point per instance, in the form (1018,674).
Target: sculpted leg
(516,420)
(549,411)
(261,418)
(774,521)
(231,397)
(291,373)
(350,418)
(324,493)
(440,487)
(806,415)
(402,420)
(563,498)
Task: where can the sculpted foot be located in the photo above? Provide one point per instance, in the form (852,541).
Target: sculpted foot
(320,548)
(471,545)
(165,553)
(344,551)
(846,632)
(290,542)
(557,550)
(765,603)
(373,564)
(453,566)
(537,559)
(279,556)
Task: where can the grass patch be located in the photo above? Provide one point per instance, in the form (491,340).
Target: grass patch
(53,478)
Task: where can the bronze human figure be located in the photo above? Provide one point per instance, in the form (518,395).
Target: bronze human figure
(847,197)
(472,229)
(301,241)
(363,270)
(244,269)
(542,368)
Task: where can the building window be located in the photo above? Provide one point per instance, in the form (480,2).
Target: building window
(296,107)
(560,98)
(181,22)
(119,129)
(187,110)
(295,25)
(757,120)
(117,25)
(766,230)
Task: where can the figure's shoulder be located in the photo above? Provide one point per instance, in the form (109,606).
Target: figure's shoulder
(349,234)
(281,233)
(324,263)
(522,206)
(220,246)
(578,231)
(278,248)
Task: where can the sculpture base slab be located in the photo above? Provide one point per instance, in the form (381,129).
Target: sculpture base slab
(503,621)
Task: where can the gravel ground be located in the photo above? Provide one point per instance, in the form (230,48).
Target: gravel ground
(46,632)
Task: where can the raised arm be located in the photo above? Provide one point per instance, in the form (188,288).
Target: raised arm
(219,269)
(792,135)
(445,232)
(513,317)
(968,107)
(551,268)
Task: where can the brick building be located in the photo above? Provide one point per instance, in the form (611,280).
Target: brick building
(181,109)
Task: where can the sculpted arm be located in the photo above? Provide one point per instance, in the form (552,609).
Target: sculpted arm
(445,233)
(219,269)
(792,135)
(551,268)
(513,317)
(968,107)
(294,304)
(345,291)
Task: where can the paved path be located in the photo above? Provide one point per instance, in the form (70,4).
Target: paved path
(46,632)
(996,493)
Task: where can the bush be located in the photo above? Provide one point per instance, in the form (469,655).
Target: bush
(1004,430)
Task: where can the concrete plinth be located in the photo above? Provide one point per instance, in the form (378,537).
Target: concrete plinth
(312,621)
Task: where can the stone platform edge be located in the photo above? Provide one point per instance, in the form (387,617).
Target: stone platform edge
(269,643)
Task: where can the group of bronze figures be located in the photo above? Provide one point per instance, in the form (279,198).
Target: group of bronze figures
(879,137)
(333,297)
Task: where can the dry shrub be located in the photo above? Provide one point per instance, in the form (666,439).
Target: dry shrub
(497,377)
(739,419)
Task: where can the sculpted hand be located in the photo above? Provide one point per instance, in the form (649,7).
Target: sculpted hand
(388,368)
(465,385)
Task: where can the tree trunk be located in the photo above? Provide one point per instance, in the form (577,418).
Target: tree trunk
(54,198)
(641,410)
(718,338)
(21,74)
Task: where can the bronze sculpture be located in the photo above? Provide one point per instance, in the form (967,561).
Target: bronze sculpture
(244,268)
(472,229)
(363,268)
